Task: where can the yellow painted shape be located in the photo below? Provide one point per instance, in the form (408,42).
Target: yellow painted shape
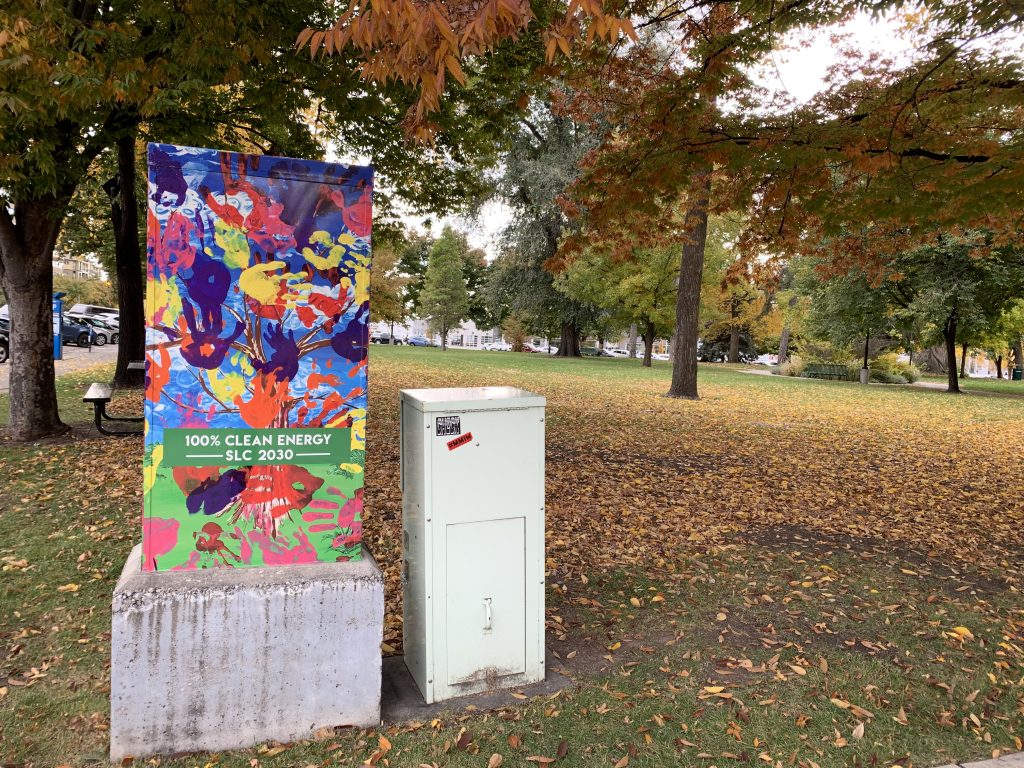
(234,243)
(260,283)
(163,301)
(149,471)
(226,386)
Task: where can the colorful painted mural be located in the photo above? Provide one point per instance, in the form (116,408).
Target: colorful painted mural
(257,306)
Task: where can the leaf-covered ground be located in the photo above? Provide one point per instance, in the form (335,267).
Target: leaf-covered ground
(786,573)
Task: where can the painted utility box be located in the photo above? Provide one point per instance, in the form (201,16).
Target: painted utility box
(473,538)
(257,305)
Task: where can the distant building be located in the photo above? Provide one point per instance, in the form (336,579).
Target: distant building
(79,269)
(467,335)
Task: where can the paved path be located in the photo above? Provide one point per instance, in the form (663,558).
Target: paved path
(1007,761)
(75,359)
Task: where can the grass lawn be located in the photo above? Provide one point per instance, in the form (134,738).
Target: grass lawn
(814,575)
(1001,386)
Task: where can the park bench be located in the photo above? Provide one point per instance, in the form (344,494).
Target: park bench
(99,394)
(829,371)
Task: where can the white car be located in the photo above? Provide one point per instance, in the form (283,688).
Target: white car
(614,353)
(657,356)
(497,346)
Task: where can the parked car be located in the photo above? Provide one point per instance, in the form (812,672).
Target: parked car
(102,330)
(659,356)
(383,338)
(614,353)
(498,346)
(72,332)
(530,348)
(419,341)
(5,345)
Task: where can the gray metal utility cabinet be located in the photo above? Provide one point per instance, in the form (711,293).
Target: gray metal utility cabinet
(473,537)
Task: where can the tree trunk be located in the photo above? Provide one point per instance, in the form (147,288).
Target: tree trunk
(684,345)
(570,344)
(648,343)
(999,367)
(784,345)
(1018,354)
(632,340)
(391,333)
(691,263)
(963,361)
(124,215)
(949,335)
(26,271)
(734,344)
(867,343)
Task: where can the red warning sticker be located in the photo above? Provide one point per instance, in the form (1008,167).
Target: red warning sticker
(460,441)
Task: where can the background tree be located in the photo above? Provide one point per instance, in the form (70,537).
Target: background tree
(412,263)
(959,287)
(638,291)
(848,309)
(542,162)
(98,292)
(515,330)
(387,288)
(444,300)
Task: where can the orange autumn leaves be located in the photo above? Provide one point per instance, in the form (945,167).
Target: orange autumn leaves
(636,481)
(422,43)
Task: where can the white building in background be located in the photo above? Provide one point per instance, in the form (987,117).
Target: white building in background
(465,336)
(79,269)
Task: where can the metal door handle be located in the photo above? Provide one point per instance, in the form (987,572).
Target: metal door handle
(487,613)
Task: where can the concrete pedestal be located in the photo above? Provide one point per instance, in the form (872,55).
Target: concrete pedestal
(221,658)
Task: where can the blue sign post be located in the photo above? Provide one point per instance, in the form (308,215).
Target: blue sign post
(58,321)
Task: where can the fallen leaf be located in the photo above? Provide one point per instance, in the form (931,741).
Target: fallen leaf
(495,761)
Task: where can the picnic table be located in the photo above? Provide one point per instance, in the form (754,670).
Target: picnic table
(100,394)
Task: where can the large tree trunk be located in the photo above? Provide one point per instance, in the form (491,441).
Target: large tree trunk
(784,345)
(933,359)
(949,336)
(648,343)
(691,264)
(26,271)
(734,344)
(124,215)
(632,340)
(1018,354)
(999,367)
(570,344)
(963,361)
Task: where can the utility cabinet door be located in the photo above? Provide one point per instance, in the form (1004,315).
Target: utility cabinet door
(491,468)
(485,607)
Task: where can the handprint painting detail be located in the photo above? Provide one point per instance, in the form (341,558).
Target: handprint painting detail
(257,307)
